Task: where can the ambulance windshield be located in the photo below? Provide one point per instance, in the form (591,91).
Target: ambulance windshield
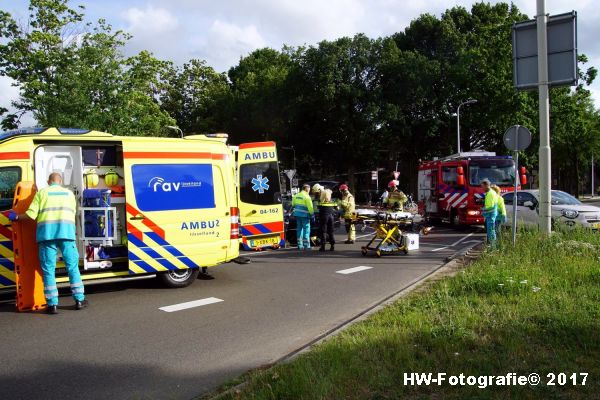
(500,172)
(259,183)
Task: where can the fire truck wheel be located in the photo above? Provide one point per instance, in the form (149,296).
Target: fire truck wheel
(454,219)
(179,278)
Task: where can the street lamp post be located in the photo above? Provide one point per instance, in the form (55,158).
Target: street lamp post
(293,151)
(470,101)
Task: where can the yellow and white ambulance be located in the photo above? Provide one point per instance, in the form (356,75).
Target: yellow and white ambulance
(147,205)
(259,196)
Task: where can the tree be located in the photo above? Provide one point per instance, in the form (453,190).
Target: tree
(194,96)
(338,104)
(261,96)
(575,130)
(72,73)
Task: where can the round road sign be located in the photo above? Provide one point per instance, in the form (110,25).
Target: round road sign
(517,138)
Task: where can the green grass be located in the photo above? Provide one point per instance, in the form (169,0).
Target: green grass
(489,319)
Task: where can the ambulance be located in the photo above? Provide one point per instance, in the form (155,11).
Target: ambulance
(259,196)
(147,206)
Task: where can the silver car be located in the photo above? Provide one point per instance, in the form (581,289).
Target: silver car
(566,209)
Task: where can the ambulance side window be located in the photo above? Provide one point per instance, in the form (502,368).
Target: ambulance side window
(449,175)
(9,177)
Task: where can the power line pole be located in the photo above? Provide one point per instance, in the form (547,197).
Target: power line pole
(544,150)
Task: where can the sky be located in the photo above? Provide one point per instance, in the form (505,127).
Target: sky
(222,31)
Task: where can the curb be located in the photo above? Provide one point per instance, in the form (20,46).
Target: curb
(450,262)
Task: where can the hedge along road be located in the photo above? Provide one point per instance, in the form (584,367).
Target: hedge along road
(137,340)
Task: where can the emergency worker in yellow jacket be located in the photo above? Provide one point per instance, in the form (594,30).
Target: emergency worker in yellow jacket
(302,209)
(490,211)
(348,206)
(54,209)
(501,217)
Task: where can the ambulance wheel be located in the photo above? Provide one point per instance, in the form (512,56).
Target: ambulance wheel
(179,278)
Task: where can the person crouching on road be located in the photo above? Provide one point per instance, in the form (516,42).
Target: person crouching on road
(326,216)
(302,209)
(54,210)
(490,211)
(501,218)
(348,206)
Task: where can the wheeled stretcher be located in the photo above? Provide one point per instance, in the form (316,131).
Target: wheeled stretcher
(394,231)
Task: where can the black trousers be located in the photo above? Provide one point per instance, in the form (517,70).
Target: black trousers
(326,225)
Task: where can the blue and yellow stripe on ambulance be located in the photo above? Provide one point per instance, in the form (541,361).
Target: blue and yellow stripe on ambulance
(149,251)
(7,265)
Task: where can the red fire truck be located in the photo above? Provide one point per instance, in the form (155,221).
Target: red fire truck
(449,189)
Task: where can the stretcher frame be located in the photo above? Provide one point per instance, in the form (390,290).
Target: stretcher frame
(388,232)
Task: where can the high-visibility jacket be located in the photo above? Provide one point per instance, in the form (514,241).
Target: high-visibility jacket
(501,206)
(348,205)
(490,204)
(396,199)
(302,205)
(54,210)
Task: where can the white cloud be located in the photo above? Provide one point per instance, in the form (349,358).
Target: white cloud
(155,29)
(150,20)
(10,93)
(224,43)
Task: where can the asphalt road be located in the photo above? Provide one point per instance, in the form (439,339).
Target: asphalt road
(124,347)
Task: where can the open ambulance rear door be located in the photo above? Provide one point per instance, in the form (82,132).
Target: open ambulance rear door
(259,196)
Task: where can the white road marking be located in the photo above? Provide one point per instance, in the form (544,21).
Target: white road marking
(460,240)
(440,248)
(352,270)
(191,304)
(455,243)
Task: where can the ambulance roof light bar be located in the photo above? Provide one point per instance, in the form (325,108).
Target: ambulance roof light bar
(219,135)
(469,154)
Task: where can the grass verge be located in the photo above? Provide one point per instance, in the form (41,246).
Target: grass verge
(533,308)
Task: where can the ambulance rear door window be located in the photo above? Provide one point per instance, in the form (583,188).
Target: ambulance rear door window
(9,177)
(259,183)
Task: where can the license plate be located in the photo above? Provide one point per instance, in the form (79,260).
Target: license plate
(596,225)
(267,241)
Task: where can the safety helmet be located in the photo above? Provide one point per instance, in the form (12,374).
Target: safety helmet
(91,178)
(392,184)
(111,178)
(343,186)
(317,188)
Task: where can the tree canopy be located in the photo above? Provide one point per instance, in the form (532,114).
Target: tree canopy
(347,105)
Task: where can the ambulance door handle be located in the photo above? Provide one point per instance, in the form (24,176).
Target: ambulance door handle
(137,217)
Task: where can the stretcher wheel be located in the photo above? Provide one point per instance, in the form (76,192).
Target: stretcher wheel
(405,251)
(363,251)
(378,253)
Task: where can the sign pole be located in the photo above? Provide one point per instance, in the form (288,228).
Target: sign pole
(515,195)
(544,149)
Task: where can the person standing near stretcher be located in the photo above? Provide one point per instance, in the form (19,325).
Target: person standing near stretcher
(53,208)
(395,199)
(348,206)
(326,216)
(490,211)
(302,207)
